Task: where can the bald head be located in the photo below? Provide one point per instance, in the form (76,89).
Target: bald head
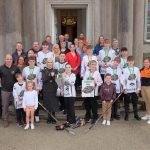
(8,60)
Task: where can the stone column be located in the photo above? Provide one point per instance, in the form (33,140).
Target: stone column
(138,32)
(13,24)
(125,22)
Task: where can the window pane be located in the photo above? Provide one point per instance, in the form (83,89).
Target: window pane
(148,36)
(149,5)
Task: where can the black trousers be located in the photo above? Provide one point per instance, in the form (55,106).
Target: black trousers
(0,104)
(50,118)
(62,103)
(115,108)
(127,99)
(69,104)
(91,107)
(21,115)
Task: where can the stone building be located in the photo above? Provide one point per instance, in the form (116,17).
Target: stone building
(32,20)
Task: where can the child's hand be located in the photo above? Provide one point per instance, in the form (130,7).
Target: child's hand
(125,91)
(111,101)
(24,109)
(104,102)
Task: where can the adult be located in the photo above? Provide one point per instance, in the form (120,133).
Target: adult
(36,47)
(7,75)
(99,46)
(145,87)
(61,38)
(20,63)
(50,86)
(76,42)
(44,55)
(115,47)
(73,58)
(56,52)
(67,40)
(83,38)
(63,47)
(49,40)
(19,51)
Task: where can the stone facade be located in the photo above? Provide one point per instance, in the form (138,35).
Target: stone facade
(32,20)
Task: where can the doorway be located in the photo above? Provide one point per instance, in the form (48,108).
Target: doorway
(71,21)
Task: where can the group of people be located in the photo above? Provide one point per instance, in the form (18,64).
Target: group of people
(52,73)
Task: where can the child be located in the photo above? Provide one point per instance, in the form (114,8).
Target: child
(69,93)
(91,102)
(131,87)
(108,95)
(116,74)
(60,67)
(18,91)
(86,60)
(105,57)
(124,55)
(30,103)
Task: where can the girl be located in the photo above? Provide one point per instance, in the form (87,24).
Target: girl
(145,83)
(21,63)
(69,93)
(91,102)
(50,86)
(108,95)
(30,103)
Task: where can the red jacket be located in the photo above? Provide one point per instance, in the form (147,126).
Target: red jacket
(74,61)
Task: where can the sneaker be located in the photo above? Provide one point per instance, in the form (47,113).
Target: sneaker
(37,119)
(26,127)
(108,123)
(104,122)
(20,124)
(6,123)
(137,117)
(32,126)
(148,121)
(146,117)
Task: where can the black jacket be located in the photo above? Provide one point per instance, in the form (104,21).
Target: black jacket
(7,76)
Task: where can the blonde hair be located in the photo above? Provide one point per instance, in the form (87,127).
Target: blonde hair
(30,82)
(53,49)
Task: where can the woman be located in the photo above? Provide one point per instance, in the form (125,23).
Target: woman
(20,63)
(50,86)
(63,47)
(56,52)
(145,83)
(76,42)
(73,58)
(99,45)
(30,53)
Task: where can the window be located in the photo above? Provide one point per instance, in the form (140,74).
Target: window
(147,21)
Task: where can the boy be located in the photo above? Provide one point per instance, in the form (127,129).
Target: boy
(91,102)
(60,67)
(108,95)
(18,91)
(131,87)
(105,57)
(124,55)
(116,74)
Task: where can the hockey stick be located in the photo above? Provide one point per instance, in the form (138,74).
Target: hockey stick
(103,114)
(57,121)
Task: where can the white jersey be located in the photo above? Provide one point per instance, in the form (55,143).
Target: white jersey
(18,91)
(34,75)
(60,67)
(42,58)
(85,63)
(131,79)
(68,85)
(30,98)
(116,77)
(105,57)
(94,76)
(123,64)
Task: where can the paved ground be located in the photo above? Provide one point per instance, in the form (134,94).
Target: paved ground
(121,135)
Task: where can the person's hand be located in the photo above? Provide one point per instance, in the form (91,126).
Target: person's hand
(137,91)
(24,109)
(104,102)
(95,82)
(125,91)
(52,74)
(111,101)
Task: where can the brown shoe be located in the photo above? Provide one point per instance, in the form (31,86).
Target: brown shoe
(6,123)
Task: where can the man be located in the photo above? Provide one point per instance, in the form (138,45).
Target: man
(49,40)
(7,75)
(61,39)
(19,51)
(36,47)
(67,40)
